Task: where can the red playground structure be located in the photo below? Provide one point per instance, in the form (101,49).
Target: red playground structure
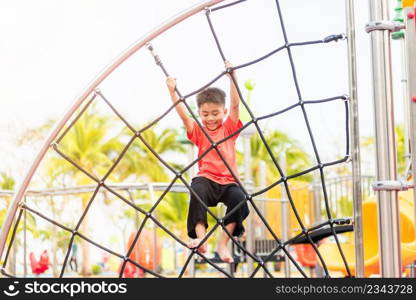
(41,265)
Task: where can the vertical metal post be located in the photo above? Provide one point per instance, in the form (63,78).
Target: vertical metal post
(410,44)
(248,183)
(317,200)
(263,203)
(388,211)
(355,141)
(285,220)
(192,173)
(285,213)
(136,223)
(153,200)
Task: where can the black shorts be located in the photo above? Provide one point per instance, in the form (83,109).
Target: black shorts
(211,193)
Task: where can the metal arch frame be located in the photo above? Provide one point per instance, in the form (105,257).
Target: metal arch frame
(84,95)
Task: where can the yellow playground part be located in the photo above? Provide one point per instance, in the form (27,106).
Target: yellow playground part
(409,3)
(333,258)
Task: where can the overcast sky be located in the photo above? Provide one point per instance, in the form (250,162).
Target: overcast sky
(50,50)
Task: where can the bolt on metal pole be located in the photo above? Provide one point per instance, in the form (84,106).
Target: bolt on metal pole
(355,140)
(388,211)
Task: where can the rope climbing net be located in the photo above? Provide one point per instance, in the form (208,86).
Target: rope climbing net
(279,245)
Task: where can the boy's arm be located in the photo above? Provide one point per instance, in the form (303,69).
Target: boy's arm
(234,97)
(180,108)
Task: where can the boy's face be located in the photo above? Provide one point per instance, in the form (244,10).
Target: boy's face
(212,115)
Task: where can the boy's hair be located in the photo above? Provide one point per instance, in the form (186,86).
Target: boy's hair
(211,95)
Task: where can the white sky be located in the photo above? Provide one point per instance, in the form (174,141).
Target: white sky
(50,50)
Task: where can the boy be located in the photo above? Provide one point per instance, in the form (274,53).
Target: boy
(214,182)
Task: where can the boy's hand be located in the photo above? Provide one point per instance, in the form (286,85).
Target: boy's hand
(171,83)
(228,65)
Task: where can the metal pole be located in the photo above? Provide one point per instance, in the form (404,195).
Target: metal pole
(410,44)
(262,185)
(355,141)
(137,224)
(317,200)
(388,212)
(285,217)
(192,173)
(153,200)
(263,204)
(246,134)
(285,228)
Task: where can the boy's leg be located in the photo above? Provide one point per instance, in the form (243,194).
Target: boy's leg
(222,246)
(200,233)
(232,197)
(197,214)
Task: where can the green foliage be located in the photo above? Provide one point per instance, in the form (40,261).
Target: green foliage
(297,160)
(6,182)
(96,269)
(141,164)
(88,144)
(401,149)
(174,210)
(369,142)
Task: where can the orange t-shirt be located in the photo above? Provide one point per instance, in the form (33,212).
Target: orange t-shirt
(211,165)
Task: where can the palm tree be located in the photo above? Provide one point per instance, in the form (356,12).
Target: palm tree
(141,164)
(296,159)
(88,145)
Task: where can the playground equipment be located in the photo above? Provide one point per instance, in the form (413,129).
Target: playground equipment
(39,266)
(371,252)
(93,94)
(306,255)
(280,243)
(146,252)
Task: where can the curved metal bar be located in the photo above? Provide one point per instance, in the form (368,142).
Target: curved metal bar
(78,102)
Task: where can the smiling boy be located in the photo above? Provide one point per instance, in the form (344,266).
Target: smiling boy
(214,182)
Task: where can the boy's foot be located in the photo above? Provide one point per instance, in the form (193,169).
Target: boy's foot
(224,254)
(195,242)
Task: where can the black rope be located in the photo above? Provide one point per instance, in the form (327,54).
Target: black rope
(58,140)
